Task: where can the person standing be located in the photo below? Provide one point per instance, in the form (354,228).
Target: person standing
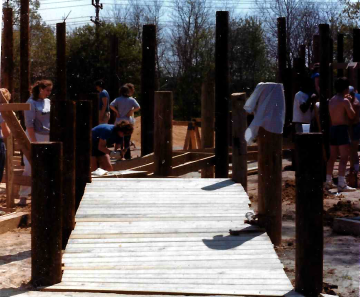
(341,113)
(124,107)
(354,131)
(37,123)
(104,100)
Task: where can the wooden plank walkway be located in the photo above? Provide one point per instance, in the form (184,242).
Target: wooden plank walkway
(169,236)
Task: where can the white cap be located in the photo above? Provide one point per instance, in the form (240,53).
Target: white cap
(351,89)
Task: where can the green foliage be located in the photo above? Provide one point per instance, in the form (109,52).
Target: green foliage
(249,63)
(88,58)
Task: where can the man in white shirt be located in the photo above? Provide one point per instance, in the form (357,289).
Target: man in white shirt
(303,105)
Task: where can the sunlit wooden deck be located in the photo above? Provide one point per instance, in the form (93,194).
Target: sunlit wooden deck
(169,236)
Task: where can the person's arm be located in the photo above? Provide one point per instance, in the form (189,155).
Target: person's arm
(102,146)
(317,85)
(115,110)
(103,108)
(31,133)
(135,108)
(5,130)
(306,105)
(349,109)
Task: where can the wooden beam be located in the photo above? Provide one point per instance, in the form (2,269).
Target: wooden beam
(14,125)
(132,163)
(193,166)
(14,106)
(12,221)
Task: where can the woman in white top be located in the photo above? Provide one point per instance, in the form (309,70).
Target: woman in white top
(124,108)
(37,123)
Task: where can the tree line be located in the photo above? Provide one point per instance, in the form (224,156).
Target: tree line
(186,44)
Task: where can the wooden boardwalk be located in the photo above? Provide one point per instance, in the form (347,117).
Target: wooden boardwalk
(169,236)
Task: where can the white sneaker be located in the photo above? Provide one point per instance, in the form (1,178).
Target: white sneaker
(329,185)
(345,188)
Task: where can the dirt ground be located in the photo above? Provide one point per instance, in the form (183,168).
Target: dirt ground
(341,253)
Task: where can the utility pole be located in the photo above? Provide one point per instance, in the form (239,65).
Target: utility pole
(98,6)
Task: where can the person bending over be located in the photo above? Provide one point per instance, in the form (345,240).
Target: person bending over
(106,135)
(341,112)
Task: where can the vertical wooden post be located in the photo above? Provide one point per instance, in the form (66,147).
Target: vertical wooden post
(340,53)
(9,142)
(7,54)
(356,54)
(148,89)
(83,148)
(207,121)
(46,219)
(302,52)
(316,49)
(222,95)
(331,68)
(239,145)
(24,55)
(269,184)
(281,25)
(62,124)
(163,133)
(61,61)
(114,81)
(309,214)
(325,84)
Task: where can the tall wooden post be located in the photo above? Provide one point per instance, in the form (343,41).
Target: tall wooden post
(62,124)
(9,142)
(281,25)
(148,88)
(24,55)
(46,203)
(7,54)
(325,84)
(316,49)
(207,121)
(331,67)
(340,53)
(94,99)
(239,144)
(114,80)
(83,148)
(61,61)
(302,52)
(163,133)
(356,54)
(222,95)
(309,214)
(269,184)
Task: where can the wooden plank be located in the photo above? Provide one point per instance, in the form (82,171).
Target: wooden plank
(256,290)
(12,221)
(150,219)
(9,142)
(181,159)
(14,106)
(14,125)
(128,164)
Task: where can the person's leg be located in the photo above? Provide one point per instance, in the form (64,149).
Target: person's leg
(334,152)
(104,162)
(344,158)
(94,163)
(127,145)
(354,158)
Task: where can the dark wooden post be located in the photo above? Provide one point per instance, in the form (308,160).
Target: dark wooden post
(356,54)
(83,148)
(46,203)
(163,133)
(269,184)
(239,145)
(9,142)
(340,53)
(24,55)
(62,124)
(61,61)
(316,49)
(222,95)
(148,88)
(331,67)
(114,80)
(325,84)
(309,214)
(7,56)
(302,52)
(207,121)
(281,25)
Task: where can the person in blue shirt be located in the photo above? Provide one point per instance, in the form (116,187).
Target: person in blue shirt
(105,135)
(104,101)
